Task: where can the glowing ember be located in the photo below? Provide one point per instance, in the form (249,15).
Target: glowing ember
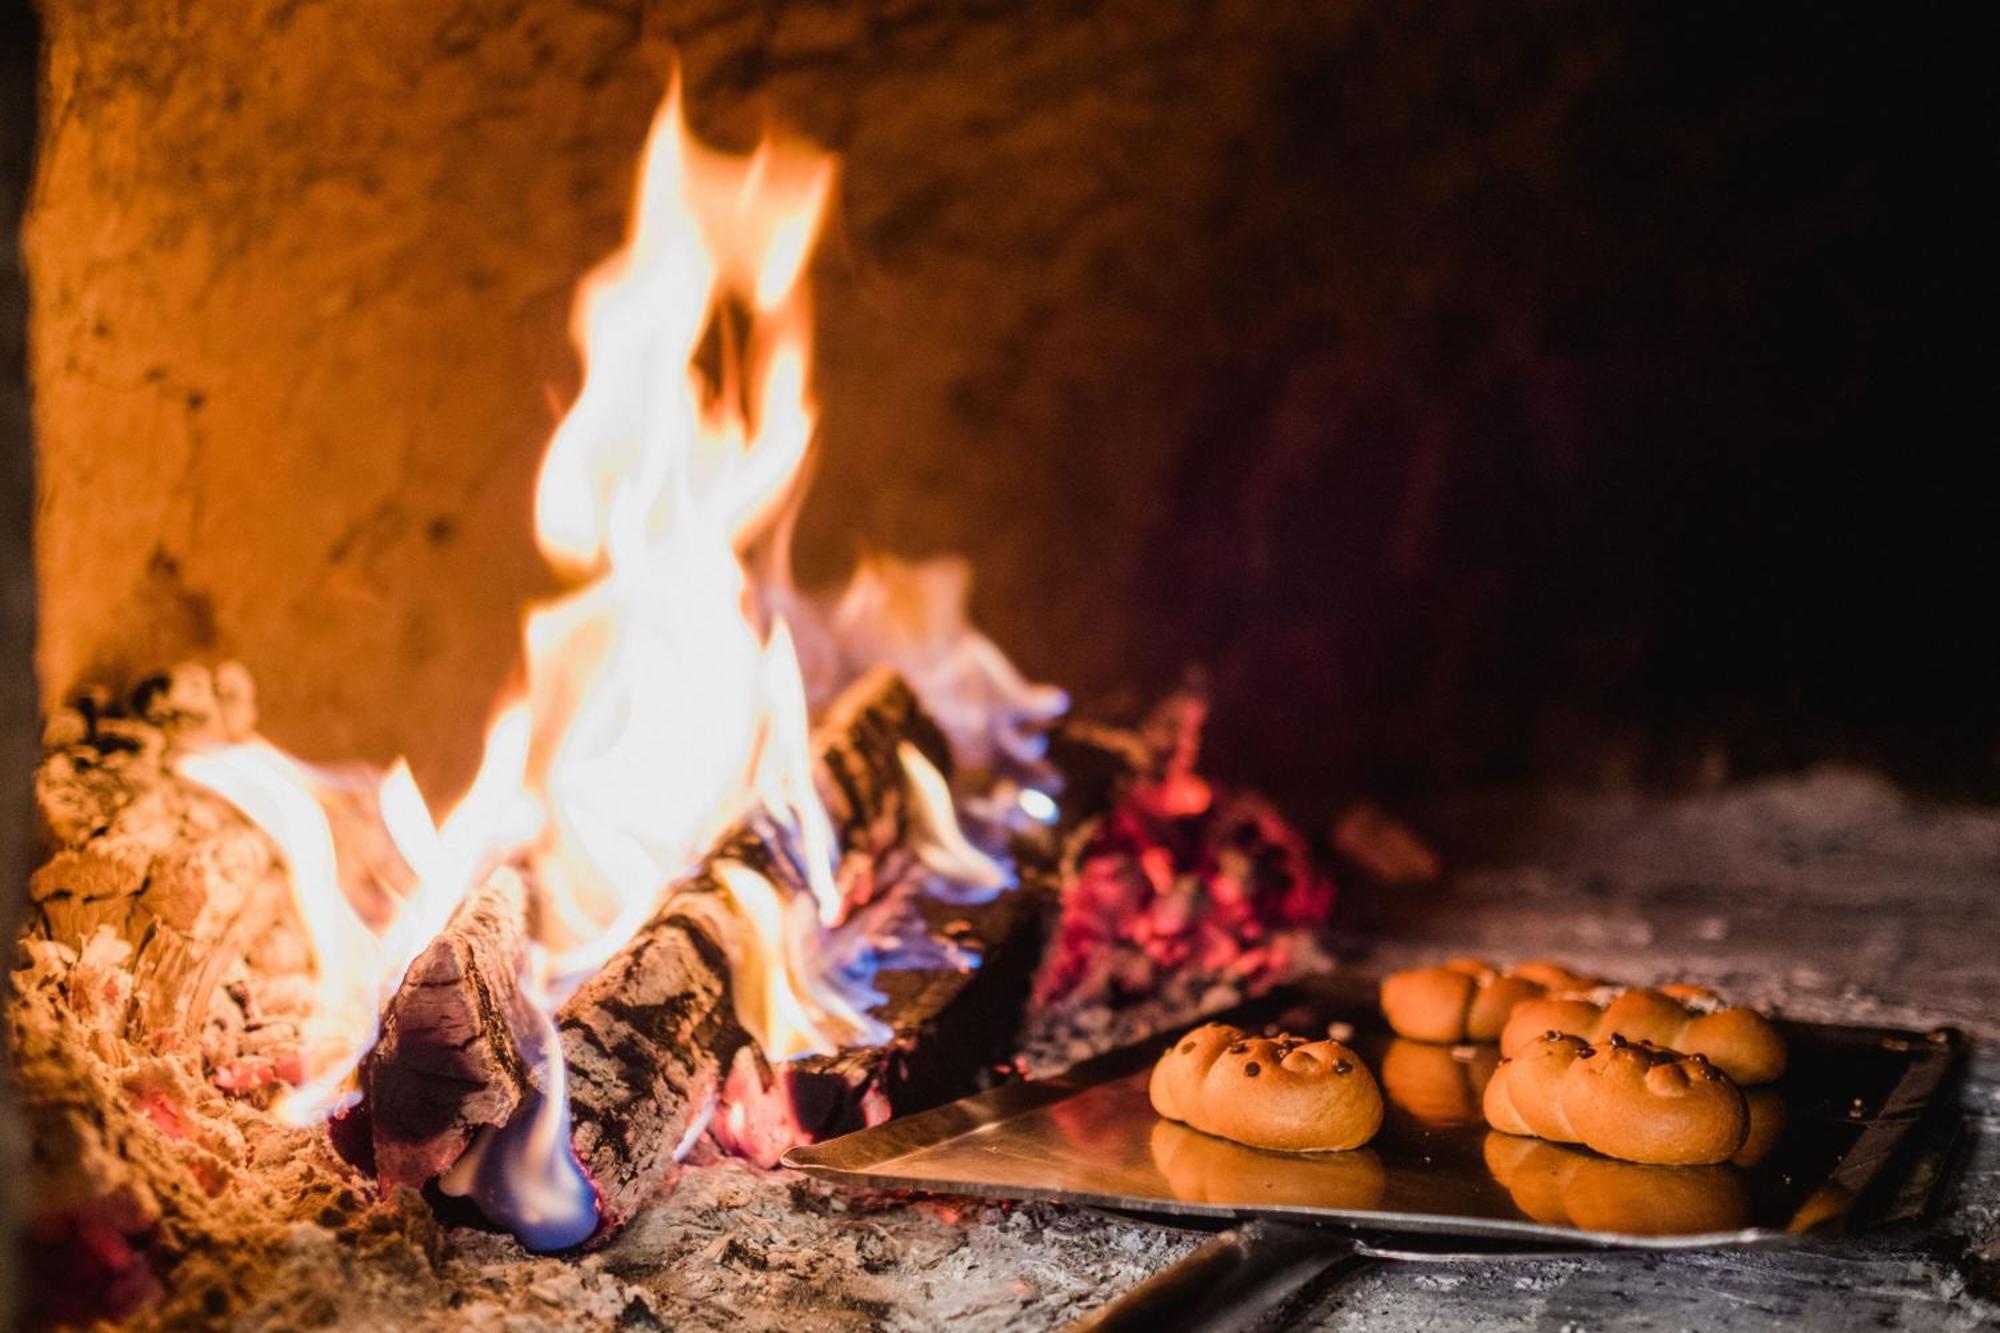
(664,698)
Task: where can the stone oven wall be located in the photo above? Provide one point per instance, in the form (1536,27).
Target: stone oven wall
(1454,382)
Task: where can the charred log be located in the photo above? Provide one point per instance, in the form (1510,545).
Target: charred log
(647,1039)
(449,1058)
(955,1029)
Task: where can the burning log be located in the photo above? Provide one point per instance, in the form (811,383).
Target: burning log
(645,1042)
(449,1057)
(646,1039)
(953,1025)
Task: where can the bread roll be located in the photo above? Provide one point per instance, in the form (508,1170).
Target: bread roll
(1630,1100)
(1284,1093)
(1524,1096)
(1690,1019)
(1465,999)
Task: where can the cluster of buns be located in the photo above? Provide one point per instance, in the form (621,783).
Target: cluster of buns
(1468,999)
(1631,1100)
(1691,1019)
(1284,1092)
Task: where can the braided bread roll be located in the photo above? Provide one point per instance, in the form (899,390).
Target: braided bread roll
(1285,1093)
(1565,1187)
(1466,999)
(1630,1100)
(1692,1019)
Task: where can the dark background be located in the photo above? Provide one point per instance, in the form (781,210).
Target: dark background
(1645,443)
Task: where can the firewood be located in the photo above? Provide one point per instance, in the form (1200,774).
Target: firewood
(954,1029)
(646,1039)
(449,1057)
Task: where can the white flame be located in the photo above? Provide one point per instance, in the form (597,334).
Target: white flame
(786,997)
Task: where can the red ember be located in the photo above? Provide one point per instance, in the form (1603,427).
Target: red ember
(1183,877)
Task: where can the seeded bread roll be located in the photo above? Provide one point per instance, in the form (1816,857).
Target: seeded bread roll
(1200,1168)
(1568,1187)
(1630,1100)
(1465,999)
(1284,1093)
(1692,1019)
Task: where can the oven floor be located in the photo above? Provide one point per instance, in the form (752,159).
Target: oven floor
(1830,896)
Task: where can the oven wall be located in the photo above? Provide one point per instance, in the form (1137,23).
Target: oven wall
(1475,391)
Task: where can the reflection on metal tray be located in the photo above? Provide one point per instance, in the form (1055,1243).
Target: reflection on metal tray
(1819,1141)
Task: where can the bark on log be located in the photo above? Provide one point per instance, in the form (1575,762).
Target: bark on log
(646,1039)
(649,1037)
(449,1058)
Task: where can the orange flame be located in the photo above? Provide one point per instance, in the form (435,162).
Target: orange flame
(664,695)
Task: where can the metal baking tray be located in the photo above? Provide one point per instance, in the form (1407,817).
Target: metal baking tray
(1831,1129)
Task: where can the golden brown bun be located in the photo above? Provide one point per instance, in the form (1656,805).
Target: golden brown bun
(1681,1018)
(1645,1103)
(1566,1187)
(1548,1013)
(1437,1085)
(1742,1041)
(1524,1096)
(1284,1093)
(1428,1003)
(1200,1168)
(1466,999)
(1633,1101)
